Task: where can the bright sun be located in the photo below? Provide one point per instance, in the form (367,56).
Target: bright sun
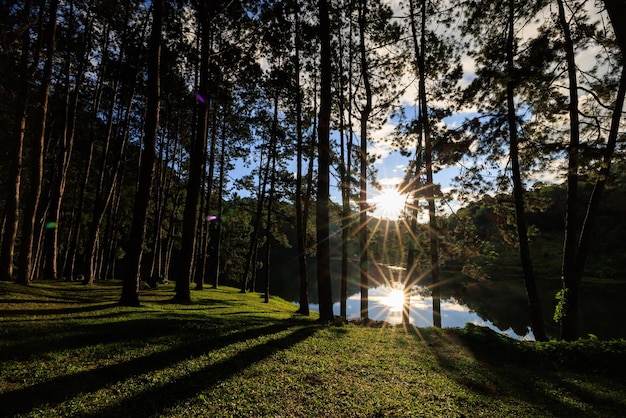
(389,203)
(394,300)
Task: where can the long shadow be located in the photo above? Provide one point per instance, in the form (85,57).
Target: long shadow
(18,345)
(8,313)
(509,371)
(57,390)
(73,336)
(155,401)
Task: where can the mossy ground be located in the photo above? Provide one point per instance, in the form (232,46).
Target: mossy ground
(70,350)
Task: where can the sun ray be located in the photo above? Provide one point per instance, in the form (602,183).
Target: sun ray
(389,203)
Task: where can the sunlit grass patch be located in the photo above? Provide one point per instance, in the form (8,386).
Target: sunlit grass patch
(230,354)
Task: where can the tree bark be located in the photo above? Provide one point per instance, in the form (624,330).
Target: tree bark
(61,163)
(430,186)
(364,117)
(204,238)
(345,172)
(216,232)
(130,285)
(323,189)
(571,280)
(196,163)
(534,302)
(11,208)
(30,221)
(251,258)
(300,220)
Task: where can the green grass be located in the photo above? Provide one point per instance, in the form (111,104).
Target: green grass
(69,350)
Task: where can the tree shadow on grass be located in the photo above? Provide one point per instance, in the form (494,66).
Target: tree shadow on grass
(71,336)
(59,389)
(117,328)
(505,369)
(155,401)
(11,313)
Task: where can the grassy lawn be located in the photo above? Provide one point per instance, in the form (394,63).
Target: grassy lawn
(69,350)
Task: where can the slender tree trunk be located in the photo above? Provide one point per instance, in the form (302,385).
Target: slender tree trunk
(410,279)
(70,263)
(15,161)
(160,195)
(428,161)
(364,117)
(300,220)
(64,155)
(202,234)
(130,285)
(196,163)
(102,199)
(30,224)
(204,247)
(534,302)
(270,198)
(270,201)
(110,166)
(312,144)
(345,175)
(323,189)
(110,170)
(216,232)
(108,264)
(571,280)
(251,258)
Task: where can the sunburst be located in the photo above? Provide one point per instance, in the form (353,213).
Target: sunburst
(389,203)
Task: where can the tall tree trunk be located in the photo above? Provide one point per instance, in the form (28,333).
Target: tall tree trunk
(30,222)
(364,117)
(300,220)
(112,155)
(270,198)
(420,155)
(410,277)
(312,144)
(70,263)
(323,188)
(63,158)
(168,151)
(216,231)
(108,264)
(571,280)
(345,174)
(160,194)
(11,208)
(430,186)
(102,196)
(270,201)
(251,258)
(130,285)
(534,302)
(202,234)
(196,163)
(204,242)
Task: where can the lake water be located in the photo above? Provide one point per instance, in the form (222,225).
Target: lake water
(385,304)
(500,304)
